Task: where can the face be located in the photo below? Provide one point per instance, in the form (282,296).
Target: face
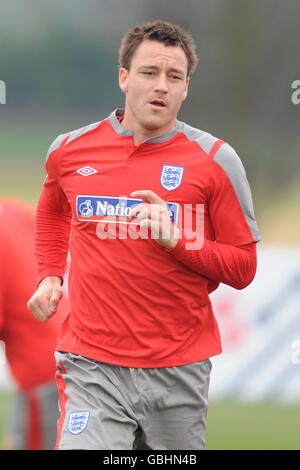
(154,87)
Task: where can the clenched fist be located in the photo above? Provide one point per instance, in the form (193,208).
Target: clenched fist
(44,302)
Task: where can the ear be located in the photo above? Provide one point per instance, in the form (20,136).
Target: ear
(123,79)
(186,88)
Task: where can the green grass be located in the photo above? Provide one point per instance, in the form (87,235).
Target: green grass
(5,400)
(264,426)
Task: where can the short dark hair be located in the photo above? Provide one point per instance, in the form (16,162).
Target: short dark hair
(161,31)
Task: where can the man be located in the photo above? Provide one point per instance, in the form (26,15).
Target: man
(28,344)
(133,355)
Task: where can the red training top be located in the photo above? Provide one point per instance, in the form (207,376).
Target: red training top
(29,344)
(133,302)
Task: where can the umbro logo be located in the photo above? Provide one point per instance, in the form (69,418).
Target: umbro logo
(86,171)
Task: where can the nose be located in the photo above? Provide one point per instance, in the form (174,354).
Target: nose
(161,84)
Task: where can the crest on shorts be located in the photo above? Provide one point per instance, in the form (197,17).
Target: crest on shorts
(171,177)
(78,421)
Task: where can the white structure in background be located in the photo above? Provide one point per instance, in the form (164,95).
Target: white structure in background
(2,92)
(260,329)
(5,379)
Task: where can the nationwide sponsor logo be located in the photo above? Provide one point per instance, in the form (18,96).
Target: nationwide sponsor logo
(171,177)
(87,171)
(113,209)
(78,421)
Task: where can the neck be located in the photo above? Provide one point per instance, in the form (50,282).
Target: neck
(141,134)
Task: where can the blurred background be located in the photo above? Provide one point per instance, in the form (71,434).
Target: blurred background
(59,63)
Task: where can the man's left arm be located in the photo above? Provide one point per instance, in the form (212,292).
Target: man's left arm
(231,257)
(220,262)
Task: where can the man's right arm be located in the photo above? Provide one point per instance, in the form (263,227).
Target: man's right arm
(44,302)
(53,220)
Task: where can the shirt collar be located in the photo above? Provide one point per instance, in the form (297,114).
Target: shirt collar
(118,113)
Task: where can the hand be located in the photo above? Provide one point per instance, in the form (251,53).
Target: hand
(44,302)
(153,213)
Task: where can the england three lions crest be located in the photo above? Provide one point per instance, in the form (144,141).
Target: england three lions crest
(171,177)
(78,421)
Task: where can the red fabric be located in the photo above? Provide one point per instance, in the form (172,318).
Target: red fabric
(231,265)
(29,344)
(133,303)
(61,386)
(215,148)
(34,428)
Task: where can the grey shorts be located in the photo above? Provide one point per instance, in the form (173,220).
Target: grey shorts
(108,407)
(32,422)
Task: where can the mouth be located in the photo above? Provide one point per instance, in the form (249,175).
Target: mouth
(158,103)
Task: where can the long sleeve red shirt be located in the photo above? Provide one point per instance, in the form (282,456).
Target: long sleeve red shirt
(29,344)
(133,302)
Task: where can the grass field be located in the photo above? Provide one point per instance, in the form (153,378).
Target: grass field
(265,426)
(232,426)
(4,411)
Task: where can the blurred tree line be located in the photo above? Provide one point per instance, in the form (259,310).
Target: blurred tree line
(64,55)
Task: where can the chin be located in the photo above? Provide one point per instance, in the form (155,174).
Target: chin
(154,124)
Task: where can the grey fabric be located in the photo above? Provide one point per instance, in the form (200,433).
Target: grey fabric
(203,139)
(228,159)
(55,144)
(47,399)
(16,427)
(83,130)
(72,136)
(134,408)
(127,132)
(117,125)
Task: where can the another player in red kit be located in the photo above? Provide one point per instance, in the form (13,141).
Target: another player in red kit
(29,345)
(124,194)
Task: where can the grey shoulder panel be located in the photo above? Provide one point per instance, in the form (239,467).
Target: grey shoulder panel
(83,130)
(72,136)
(228,159)
(203,139)
(56,144)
